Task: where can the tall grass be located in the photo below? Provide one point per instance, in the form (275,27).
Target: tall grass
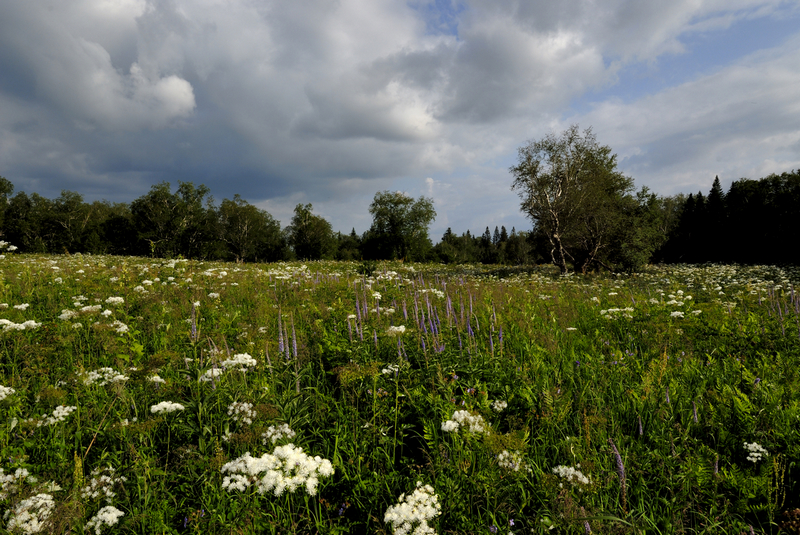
(609,404)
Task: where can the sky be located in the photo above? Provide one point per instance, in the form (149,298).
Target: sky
(331,101)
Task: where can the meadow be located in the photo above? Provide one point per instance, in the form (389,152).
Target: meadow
(150,396)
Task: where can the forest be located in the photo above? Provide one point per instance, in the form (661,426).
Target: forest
(603,223)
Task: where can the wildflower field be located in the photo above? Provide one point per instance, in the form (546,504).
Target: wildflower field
(170,396)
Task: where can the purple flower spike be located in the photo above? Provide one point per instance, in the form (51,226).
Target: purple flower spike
(620,470)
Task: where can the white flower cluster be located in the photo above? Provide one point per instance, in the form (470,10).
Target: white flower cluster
(276,433)
(107,516)
(156,379)
(460,419)
(572,475)
(59,415)
(511,461)
(242,412)
(755,452)
(211,374)
(287,467)
(390,369)
(213,295)
(10,483)
(240,361)
(5,391)
(396,330)
(31,515)
(11,326)
(103,376)
(102,484)
(617,312)
(115,300)
(166,407)
(23,306)
(434,291)
(4,244)
(499,405)
(412,512)
(120,327)
(676,314)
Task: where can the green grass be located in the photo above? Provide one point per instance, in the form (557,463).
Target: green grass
(582,362)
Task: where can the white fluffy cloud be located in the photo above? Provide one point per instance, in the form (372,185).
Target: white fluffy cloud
(329,102)
(741,121)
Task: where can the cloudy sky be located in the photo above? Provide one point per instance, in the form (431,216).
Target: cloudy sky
(329,101)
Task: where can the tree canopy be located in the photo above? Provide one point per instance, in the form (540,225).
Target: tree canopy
(400,225)
(571,190)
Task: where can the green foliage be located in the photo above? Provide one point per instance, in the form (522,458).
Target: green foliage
(399,227)
(310,236)
(580,360)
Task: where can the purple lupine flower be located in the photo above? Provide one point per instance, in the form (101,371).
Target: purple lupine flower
(375,336)
(667,394)
(758,380)
(501,335)
(350,330)
(641,431)
(286,345)
(280,334)
(694,411)
(294,341)
(194,325)
(620,468)
(587,529)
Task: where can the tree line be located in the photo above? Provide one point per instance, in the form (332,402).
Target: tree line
(586,216)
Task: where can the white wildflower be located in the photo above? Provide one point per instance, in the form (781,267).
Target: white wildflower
(31,515)
(107,516)
(242,412)
(499,405)
(390,369)
(276,433)
(103,376)
(59,415)
(572,475)
(102,483)
(5,391)
(755,452)
(396,330)
(166,407)
(464,419)
(413,512)
(286,468)
(511,461)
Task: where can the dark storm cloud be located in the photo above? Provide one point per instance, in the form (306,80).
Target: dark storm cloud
(315,101)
